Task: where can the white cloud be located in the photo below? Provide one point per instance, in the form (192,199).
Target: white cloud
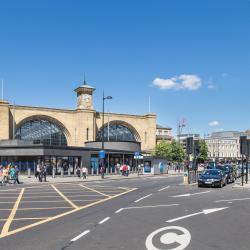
(213,123)
(189,82)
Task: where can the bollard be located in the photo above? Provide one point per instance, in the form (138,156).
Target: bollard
(53,173)
(62,172)
(92,171)
(97,171)
(29,172)
(68,171)
(185,178)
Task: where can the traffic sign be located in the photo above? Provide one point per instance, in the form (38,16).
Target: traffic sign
(102,154)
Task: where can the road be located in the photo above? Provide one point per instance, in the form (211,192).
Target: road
(146,213)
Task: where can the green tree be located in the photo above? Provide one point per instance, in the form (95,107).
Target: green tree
(163,149)
(203,155)
(177,152)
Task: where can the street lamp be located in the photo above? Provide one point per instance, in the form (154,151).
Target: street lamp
(103,102)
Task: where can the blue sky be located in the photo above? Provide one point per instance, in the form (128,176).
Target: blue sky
(191,57)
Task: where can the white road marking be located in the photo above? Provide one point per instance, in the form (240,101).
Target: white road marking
(187,195)
(182,238)
(205,211)
(163,188)
(239,199)
(104,220)
(80,236)
(144,197)
(127,208)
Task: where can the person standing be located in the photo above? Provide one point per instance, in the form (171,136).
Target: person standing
(84,172)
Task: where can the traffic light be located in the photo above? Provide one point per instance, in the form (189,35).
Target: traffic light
(196,147)
(190,145)
(243,145)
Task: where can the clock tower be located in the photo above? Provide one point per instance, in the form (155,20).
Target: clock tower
(85,96)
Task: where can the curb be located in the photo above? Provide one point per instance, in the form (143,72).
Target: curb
(103,180)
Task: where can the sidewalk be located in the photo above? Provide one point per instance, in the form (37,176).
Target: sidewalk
(32,180)
(239,185)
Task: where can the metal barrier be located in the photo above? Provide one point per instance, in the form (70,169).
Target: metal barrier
(193,176)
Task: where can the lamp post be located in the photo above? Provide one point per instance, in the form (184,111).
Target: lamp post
(103,104)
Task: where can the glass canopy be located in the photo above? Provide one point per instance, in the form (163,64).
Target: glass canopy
(41,131)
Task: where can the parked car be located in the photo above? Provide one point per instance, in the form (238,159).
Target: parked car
(213,178)
(229,172)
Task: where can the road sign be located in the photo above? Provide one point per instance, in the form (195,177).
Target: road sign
(173,236)
(102,154)
(138,156)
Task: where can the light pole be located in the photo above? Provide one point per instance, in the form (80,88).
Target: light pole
(103,103)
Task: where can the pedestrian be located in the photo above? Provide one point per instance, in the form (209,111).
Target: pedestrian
(118,165)
(124,170)
(84,172)
(12,174)
(16,175)
(102,170)
(40,173)
(1,174)
(37,170)
(128,169)
(78,172)
(5,174)
(44,172)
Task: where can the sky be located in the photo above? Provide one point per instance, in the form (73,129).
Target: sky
(191,57)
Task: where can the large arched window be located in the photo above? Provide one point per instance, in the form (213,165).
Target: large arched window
(116,132)
(41,131)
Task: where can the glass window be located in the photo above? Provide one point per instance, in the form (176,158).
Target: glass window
(41,131)
(116,132)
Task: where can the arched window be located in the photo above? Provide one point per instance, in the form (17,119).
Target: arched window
(41,131)
(116,132)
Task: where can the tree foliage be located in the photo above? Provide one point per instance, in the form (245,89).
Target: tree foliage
(172,151)
(203,155)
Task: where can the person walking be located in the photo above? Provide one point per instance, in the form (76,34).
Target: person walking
(5,175)
(1,174)
(102,170)
(84,172)
(128,169)
(78,172)
(16,175)
(44,173)
(37,171)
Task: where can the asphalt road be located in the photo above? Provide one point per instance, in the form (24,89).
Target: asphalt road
(146,213)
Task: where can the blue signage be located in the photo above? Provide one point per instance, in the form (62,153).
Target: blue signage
(102,154)
(137,154)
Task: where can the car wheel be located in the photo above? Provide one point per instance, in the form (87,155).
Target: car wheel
(221,185)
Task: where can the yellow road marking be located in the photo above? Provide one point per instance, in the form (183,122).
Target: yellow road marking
(18,219)
(94,190)
(64,214)
(65,198)
(54,196)
(34,208)
(12,214)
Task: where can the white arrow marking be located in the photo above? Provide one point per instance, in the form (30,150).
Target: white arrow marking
(127,208)
(163,188)
(187,195)
(143,198)
(205,211)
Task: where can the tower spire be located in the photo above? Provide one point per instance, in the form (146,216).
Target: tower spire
(84,81)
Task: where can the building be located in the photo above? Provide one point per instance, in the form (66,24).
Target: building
(163,134)
(224,145)
(59,136)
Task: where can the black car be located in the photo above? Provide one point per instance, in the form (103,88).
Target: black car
(212,178)
(229,171)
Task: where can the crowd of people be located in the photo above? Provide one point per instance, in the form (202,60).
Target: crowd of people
(9,174)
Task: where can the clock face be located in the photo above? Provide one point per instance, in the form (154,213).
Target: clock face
(86,98)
